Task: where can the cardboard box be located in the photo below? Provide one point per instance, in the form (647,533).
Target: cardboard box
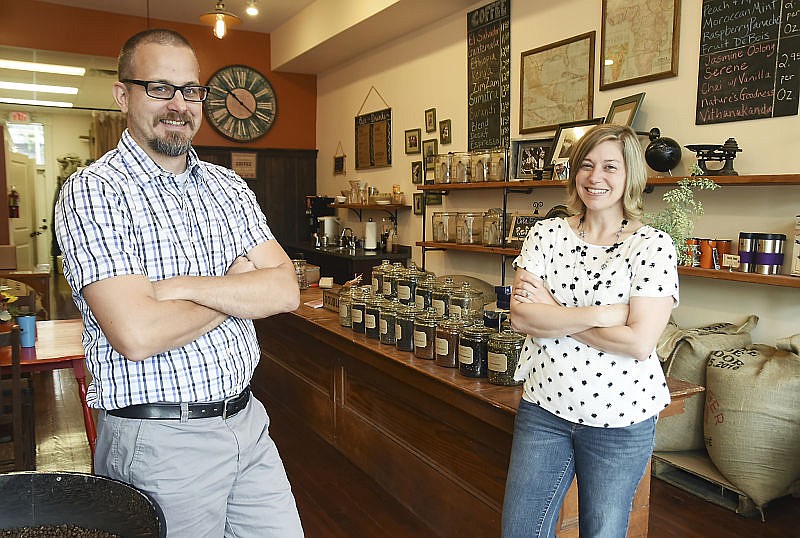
(8,257)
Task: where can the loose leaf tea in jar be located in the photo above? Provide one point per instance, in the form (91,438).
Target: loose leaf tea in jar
(473,358)
(446,347)
(503,352)
(388,322)
(404,327)
(425,334)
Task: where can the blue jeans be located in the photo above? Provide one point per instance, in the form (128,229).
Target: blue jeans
(548,451)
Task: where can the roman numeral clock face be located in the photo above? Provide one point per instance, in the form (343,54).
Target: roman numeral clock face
(241,105)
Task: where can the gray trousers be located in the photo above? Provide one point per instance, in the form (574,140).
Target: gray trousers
(211,477)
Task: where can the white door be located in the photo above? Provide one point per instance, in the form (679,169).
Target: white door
(20,174)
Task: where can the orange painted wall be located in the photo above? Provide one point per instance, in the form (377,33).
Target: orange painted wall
(47,26)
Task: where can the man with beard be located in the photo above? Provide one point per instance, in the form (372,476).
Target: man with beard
(169,259)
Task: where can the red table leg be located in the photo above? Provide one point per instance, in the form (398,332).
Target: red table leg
(88,419)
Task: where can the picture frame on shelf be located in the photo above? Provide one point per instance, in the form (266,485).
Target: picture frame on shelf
(445,131)
(433,198)
(413,137)
(623,111)
(418,203)
(430,120)
(339,165)
(430,148)
(557,83)
(531,158)
(566,136)
(561,169)
(416,172)
(639,41)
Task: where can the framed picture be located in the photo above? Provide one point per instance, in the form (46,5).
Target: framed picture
(623,111)
(561,169)
(374,139)
(430,148)
(566,136)
(557,84)
(430,120)
(413,138)
(418,203)
(416,172)
(532,158)
(433,198)
(445,135)
(639,41)
(338,165)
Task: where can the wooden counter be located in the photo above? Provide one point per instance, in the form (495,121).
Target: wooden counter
(436,440)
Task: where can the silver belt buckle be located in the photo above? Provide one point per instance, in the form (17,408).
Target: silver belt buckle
(225,406)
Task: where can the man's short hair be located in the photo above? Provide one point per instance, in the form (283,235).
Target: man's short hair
(160,36)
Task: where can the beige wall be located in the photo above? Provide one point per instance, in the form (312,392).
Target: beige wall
(428,69)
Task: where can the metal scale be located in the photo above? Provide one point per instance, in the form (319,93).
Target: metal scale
(716,153)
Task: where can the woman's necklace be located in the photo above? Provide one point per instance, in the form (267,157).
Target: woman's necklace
(612,248)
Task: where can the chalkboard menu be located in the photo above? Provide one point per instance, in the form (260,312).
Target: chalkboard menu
(489,76)
(374,139)
(749,60)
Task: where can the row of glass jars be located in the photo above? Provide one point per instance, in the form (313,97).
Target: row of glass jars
(468,227)
(470,167)
(450,340)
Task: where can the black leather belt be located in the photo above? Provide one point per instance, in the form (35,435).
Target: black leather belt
(172,411)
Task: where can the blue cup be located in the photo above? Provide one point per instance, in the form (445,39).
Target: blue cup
(27,326)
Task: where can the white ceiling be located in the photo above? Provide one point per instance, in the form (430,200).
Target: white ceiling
(271,13)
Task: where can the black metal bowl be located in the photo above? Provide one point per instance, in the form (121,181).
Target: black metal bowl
(31,499)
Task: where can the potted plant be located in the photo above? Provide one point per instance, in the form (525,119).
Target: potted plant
(677,216)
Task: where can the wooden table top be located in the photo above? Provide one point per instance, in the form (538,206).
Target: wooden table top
(57,341)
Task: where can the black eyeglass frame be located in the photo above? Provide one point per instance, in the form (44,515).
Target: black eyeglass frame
(146,85)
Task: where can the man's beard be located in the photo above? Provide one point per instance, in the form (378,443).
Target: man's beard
(173,145)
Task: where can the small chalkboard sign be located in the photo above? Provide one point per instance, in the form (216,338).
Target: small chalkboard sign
(520,225)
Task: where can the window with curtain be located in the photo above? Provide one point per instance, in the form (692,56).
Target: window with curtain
(106,131)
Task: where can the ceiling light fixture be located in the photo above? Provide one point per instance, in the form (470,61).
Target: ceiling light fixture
(220,19)
(37,102)
(24,87)
(251,8)
(42,68)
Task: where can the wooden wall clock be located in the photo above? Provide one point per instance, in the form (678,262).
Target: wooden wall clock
(241,105)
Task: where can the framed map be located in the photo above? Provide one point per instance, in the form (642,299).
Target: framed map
(639,41)
(556,84)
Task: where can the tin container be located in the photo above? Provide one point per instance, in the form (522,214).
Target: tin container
(473,359)
(503,351)
(469,228)
(425,334)
(446,345)
(747,247)
(768,256)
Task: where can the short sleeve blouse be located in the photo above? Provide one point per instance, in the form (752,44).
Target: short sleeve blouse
(574,380)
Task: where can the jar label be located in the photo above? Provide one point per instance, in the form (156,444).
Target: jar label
(387,288)
(343,310)
(384,327)
(420,339)
(465,355)
(398,331)
(455,310)
(357,315)
(441,346)
(438,304)
(369,321)
(498,362)
(419,301)
(404,292)
(375,285)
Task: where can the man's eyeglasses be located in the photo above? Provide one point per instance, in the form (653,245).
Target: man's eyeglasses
(162,90)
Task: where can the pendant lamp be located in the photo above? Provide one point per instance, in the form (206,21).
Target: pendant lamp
(219,19)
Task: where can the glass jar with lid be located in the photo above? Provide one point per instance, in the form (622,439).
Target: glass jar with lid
(444,226)
(496,168)
(493,228)
(466,302)
(480,165)
(441,170)
(425,334)
(377,276)
(460,170)
(440,297)
(390,280)
(358,306)
(473,358)
(372,315)
(388,322)
(469,228)
(404,327)
(345,307)
(446,346)
(423,295)
(503,351)
(407,283)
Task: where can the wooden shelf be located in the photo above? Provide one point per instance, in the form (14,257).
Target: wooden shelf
(370,206)
(545,183)
(754,278)
(468,248)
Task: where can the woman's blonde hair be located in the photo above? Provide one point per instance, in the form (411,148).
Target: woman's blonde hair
(635,171)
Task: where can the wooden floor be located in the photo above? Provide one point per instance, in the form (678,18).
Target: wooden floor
(336,500)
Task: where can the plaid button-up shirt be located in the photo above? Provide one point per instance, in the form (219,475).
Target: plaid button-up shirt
(125,215)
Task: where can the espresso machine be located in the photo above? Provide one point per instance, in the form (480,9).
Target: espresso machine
(316,207)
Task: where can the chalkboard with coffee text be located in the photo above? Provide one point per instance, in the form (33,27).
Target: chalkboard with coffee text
(489,76)
(749,60)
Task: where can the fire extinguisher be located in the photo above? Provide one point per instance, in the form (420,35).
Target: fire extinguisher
(13,203)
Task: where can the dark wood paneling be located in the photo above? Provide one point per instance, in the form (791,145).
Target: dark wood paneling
(285,178)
